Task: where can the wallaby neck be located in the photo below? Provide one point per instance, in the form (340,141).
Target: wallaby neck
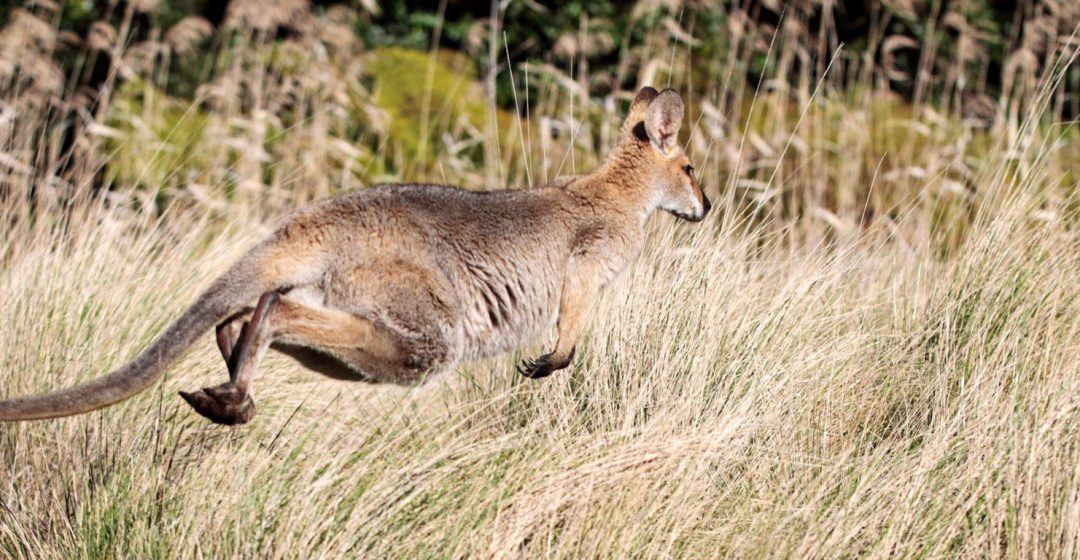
(621,185)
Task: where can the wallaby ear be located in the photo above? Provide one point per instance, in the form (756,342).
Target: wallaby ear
(636,114)
(663,119)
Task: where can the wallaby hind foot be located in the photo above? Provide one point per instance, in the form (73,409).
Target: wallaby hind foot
(225,404)
(231,403)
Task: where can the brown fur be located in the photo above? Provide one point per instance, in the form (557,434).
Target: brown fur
(398,283)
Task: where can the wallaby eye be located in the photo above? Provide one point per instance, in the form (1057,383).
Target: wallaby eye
(689,169)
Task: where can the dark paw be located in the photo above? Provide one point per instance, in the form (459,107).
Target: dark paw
(540,367)
(224,404)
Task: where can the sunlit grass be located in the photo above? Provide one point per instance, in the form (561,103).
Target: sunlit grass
(857,399)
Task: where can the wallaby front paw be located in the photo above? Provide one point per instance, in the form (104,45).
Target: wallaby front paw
(541,367)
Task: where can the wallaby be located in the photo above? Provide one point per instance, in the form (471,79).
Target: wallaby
(398,283)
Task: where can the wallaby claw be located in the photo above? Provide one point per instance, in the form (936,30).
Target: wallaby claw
(537,368)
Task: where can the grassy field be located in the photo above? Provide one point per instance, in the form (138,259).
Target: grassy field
(871,348)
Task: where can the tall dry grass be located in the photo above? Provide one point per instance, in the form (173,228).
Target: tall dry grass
(870,350)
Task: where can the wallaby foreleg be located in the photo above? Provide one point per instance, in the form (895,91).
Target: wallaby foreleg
(580,287)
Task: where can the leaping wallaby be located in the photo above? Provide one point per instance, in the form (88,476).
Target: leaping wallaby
(399,283)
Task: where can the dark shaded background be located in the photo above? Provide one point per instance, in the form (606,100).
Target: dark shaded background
(531,30)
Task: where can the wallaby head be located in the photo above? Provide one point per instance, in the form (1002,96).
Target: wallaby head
(651,134)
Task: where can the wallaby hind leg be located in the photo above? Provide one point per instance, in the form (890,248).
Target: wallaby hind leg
(229,333)
(342,344)
(361,345)
(231,402)
(225,336)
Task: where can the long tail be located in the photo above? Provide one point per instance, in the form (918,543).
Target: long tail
(239,286)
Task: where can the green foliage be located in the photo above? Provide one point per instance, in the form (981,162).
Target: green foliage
(411,86)
(153,138)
